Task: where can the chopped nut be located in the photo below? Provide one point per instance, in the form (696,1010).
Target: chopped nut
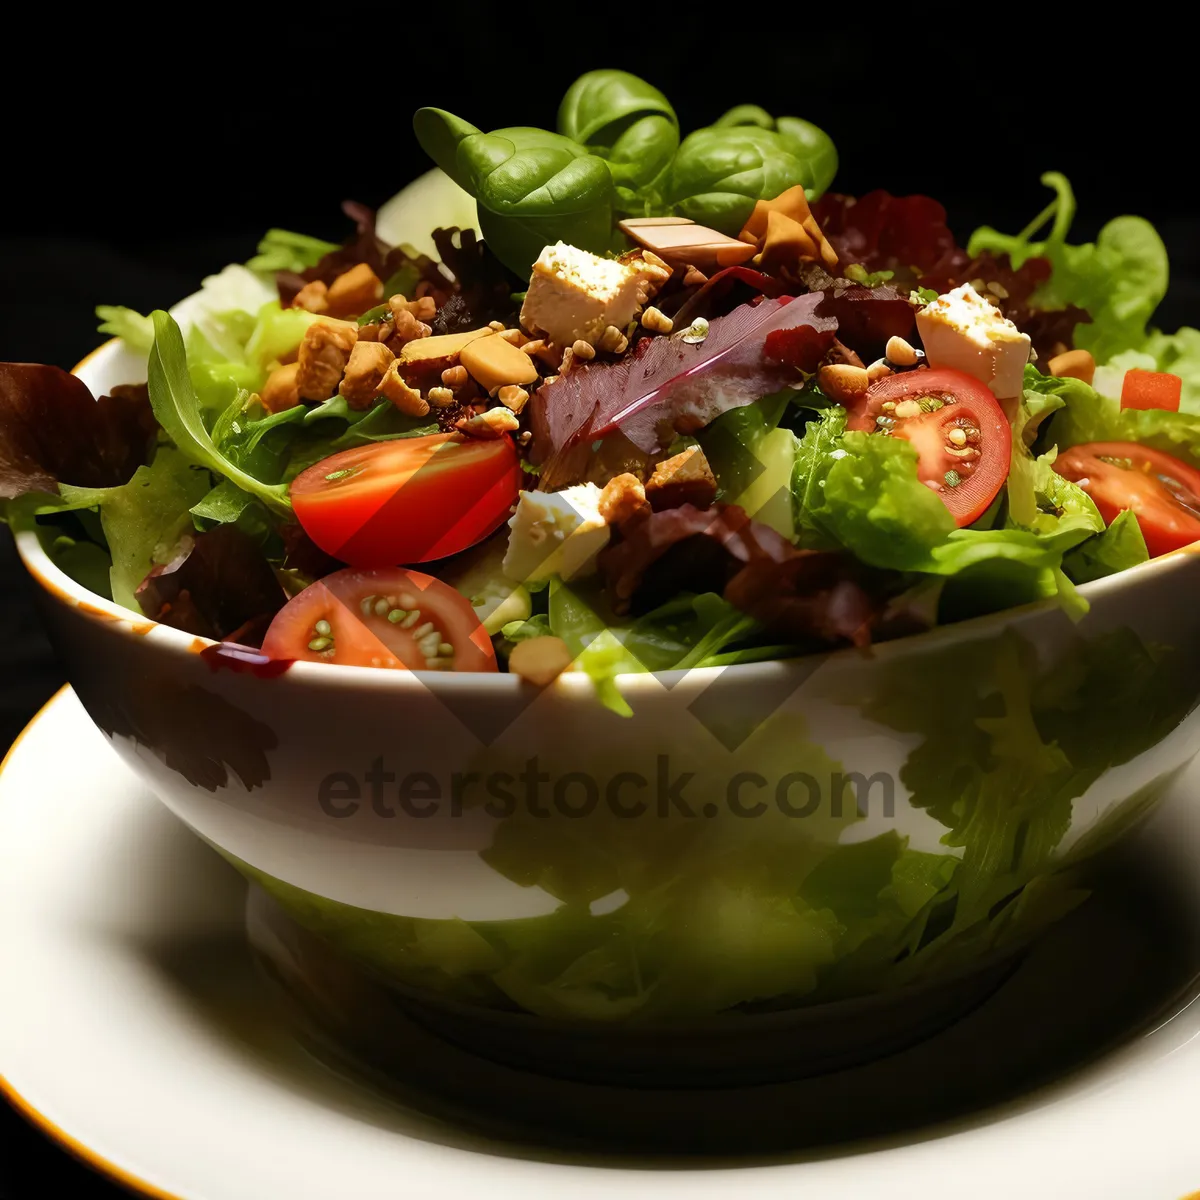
(409,329)
(906,409)
(694,277)
(324,351)
(878,370)
(652,260)
(534,346)
(370,332)
(313,297)
(424,309)
(441,397)
(900,354)
(513,397)
(583,350)
(496,326)
(354,291)
(368,364)
(656,321)
(843,382)
(1074,364)
(281,391)
(539,660)
(494,423)
(431,356)
(612,341)
(622,499)
(406,399)
(454,377)
(684,479)
(514,337)
(568,361)
(493,363)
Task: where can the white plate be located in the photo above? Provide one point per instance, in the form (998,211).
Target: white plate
(135,1027)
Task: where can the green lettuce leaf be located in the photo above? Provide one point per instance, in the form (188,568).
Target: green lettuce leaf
(1118,548)
(134,329)
(1120,278)
(753,461)
(142,521)
(1087,416)
(861,492)
(282,250)
(177,410)
(684,632)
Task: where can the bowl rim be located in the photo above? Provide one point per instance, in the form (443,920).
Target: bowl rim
(62,588)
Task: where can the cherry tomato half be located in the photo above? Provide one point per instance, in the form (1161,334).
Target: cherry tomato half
(963,439)
(389,618)
(408,500)
(1163,493)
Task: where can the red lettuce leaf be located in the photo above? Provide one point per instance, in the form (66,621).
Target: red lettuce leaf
(53,431)
(811,598)
(665,386)
(720,294)
(909,236)
(882,232)
(219,586)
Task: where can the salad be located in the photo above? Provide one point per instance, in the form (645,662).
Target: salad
(640,401)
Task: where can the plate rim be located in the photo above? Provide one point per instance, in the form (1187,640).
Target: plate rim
(78,1150)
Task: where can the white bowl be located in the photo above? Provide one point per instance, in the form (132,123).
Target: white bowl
(761,890)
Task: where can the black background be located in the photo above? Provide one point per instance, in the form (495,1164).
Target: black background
(126,175)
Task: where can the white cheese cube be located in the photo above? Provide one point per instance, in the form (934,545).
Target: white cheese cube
(575,295)
(555,533)
(962,330)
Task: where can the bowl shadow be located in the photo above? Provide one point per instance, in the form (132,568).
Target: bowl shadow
(1118,966)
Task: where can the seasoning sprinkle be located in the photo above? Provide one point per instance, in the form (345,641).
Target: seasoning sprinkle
(952,478)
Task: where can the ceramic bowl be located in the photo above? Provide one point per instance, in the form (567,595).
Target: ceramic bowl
(754,840)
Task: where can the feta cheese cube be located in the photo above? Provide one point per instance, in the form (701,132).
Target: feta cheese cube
(962,330)
(574,295)
(555,533)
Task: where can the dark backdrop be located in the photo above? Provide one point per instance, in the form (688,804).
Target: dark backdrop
(126,176)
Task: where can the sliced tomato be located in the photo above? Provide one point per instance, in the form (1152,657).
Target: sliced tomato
(1162,492)
(1151,389)
(394,618)
(409,500)
(925,407)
